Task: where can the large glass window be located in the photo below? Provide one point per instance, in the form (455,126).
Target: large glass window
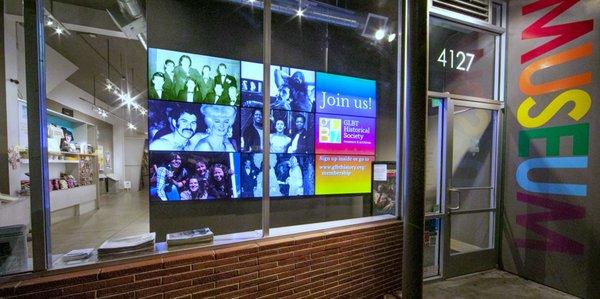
(15,209)
(156,123)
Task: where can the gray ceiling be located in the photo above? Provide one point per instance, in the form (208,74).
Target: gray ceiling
(90,49)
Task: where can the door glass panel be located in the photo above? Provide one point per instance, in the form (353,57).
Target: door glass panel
(433,156)
(431,238)
(472,147)
(465,200)
(461,59)
(471,232)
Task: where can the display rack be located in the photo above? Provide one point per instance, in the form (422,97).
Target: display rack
(83,198)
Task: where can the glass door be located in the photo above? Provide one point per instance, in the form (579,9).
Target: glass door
(469,184)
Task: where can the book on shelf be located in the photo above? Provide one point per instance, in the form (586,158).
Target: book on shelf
(127,245)
(201,235)
(78,254)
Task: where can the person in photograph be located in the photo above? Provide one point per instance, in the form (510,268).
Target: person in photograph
(184,71)
(274,188)
(202,170)
(67,143)
(225,80)
(219,121)
(249,179)
(206,83)
(169,76)
(278,140)
(283,100)
(170,179)
(159,88)
(219,185)
(299,94)
(217,96)
(196,190)
(294,180)
(300,139)
(232,94)
(183,124)
(190,92)
(252,137)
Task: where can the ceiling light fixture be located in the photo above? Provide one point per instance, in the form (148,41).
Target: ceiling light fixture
(54,23)
(380,34)
(131,126)
(391,37)
(300,13)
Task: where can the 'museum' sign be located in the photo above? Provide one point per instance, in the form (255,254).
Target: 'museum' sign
(552,59)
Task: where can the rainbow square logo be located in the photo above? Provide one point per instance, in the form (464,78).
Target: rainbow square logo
(330,130)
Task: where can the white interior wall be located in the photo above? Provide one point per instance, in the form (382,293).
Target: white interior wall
(58,69)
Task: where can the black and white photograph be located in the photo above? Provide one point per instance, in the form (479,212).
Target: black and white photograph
(176,126)
(291,88)
(289,175)
(193,78)
(180,176)
(291,132)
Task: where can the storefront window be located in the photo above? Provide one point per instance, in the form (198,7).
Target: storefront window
(15,209)
(155,123)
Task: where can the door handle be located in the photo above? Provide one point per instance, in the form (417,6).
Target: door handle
(457,190)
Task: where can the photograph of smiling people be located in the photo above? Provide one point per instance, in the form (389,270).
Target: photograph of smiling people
(291,88)
(194,78)
(192,176)
(191,127)
(291,131)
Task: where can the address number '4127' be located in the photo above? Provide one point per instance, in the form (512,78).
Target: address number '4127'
(459,60)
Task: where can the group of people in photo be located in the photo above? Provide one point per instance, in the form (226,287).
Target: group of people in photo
(182,81)
(291,132)
(182,176)
(289,175)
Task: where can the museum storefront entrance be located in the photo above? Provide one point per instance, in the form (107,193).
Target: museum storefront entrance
(466,94)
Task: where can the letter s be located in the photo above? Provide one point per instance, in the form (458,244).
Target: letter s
(582,101)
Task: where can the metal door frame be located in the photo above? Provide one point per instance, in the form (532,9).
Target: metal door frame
(481,259)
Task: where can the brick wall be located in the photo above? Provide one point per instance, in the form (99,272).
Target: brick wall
(359,262)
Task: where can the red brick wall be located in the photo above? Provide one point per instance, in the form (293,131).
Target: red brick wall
(360,262)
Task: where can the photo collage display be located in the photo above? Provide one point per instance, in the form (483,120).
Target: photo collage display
(205,130)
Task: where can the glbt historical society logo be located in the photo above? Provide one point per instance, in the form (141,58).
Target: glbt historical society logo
(330,130)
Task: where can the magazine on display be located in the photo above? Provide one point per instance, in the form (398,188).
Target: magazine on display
(130,244)
(78,254)
(190,237)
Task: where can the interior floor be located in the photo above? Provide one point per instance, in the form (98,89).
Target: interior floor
(120,214)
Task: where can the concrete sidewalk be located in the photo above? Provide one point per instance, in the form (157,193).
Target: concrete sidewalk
(490,285)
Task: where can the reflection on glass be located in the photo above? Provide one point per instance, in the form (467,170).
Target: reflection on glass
(461,59)
(433,156)
(471,232)
(472,147)
(431,246)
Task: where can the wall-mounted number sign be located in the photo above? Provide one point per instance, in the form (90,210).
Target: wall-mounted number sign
(458,60)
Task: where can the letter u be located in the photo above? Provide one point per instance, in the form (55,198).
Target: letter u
(554,163)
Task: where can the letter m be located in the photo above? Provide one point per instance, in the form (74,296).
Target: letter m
(533,222)
(564,32)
